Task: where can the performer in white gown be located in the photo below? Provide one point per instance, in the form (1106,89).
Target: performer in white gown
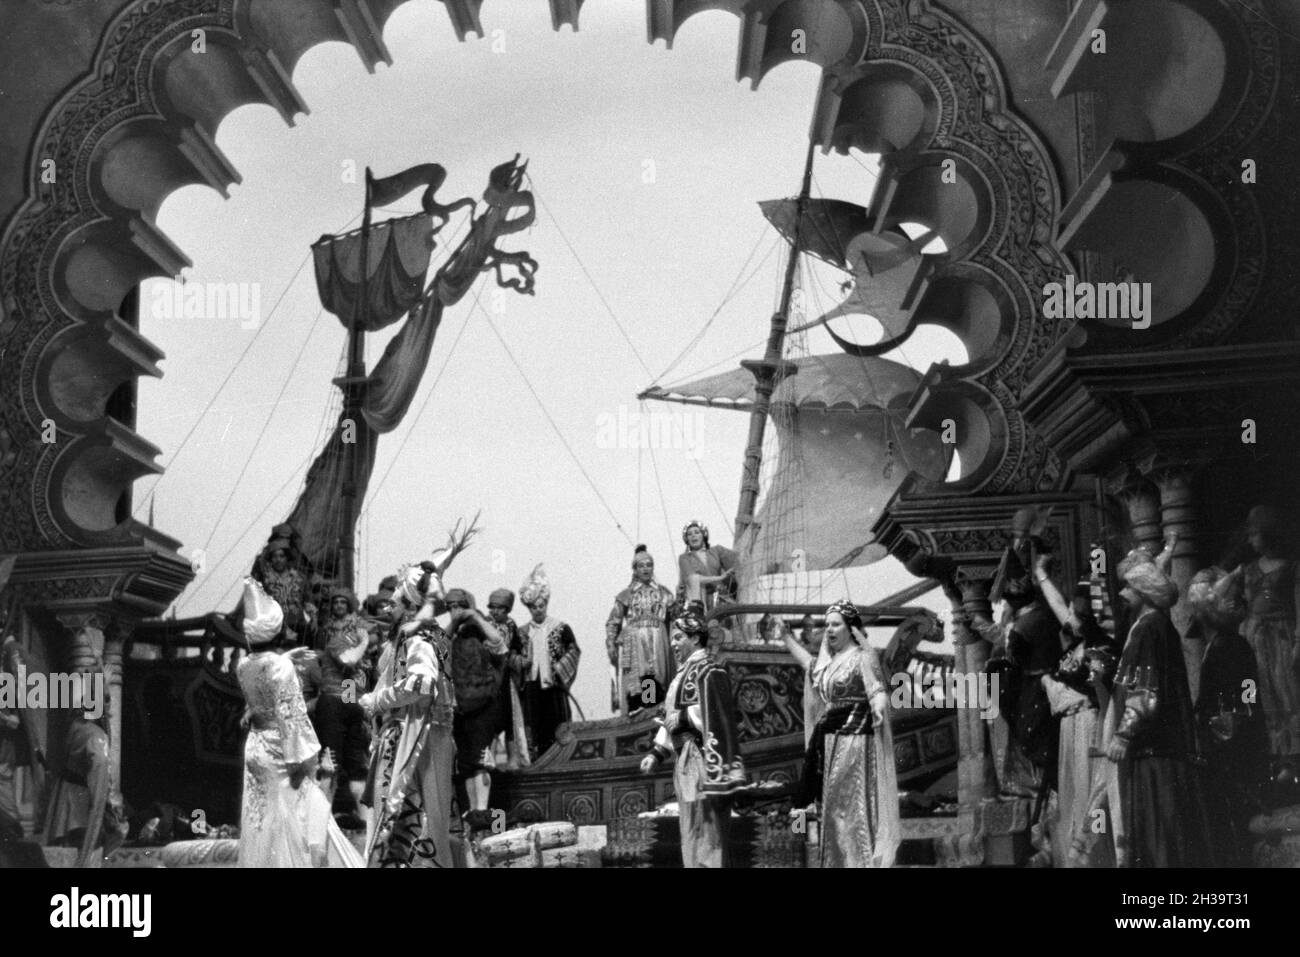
(285,819)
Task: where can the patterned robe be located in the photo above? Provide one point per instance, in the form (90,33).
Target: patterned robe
(1270,627)
(700,722)
(638,626)
(280,825)
(553,664)
(410,786)
(1160,786)
(860,820)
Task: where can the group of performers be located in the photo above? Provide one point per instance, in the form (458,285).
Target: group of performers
(1095,725)
(1141,746)
(392,704)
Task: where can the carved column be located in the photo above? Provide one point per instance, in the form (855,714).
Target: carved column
(114,640)
(976,781)
(1178,515)
(1143,503)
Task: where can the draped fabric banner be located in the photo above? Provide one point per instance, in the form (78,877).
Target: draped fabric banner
(397,259)
(396,376)
(387,190)
(317,515)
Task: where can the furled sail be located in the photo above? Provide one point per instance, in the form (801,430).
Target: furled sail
(397,259)
(884,264)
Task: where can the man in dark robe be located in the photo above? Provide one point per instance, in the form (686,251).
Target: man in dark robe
(699,725)
(1234,739)
(478,660)
(1033,649)
(1154,744)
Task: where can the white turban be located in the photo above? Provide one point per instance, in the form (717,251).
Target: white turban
(263,616)
(1142,573)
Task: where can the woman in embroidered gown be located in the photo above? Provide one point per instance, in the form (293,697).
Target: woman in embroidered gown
(705,572)
(1272,593)
(285,820)
(636,637)
(860,821)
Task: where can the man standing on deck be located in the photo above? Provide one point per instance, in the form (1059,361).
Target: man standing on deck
(699,724)
(478,656)
(340,720)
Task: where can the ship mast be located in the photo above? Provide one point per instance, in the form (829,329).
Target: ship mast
(353,384)
(772,368)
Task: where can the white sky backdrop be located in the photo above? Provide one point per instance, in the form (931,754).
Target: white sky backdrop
(589,111)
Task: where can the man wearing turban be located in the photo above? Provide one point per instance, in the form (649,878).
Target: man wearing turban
(1231,723)
(1154,744)
(554,653)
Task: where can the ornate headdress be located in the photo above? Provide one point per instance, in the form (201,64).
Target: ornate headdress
(263,617)
(695,523)
(848,611)
(536,587)
(1144,575)
(641,550)
(692,624)
(415,583)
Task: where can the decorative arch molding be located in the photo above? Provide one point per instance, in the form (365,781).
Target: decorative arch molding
(141,125)
(1238,238)
(958,159)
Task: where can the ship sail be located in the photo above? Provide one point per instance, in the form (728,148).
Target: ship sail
(370,278)
(845,414)
(397,258)
(884,264)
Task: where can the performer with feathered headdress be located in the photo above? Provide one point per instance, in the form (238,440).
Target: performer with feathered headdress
(413,705)
(1154,744)
(409,786)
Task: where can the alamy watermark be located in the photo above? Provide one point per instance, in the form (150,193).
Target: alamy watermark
(188,299)
(37,691)
(1114,301)
(626,429)
(945,689)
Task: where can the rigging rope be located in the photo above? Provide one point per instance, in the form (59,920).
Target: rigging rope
(736,286)
(663,504)
(211,575)
(224,382)
(265,425)
(542,405)
(631,345)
